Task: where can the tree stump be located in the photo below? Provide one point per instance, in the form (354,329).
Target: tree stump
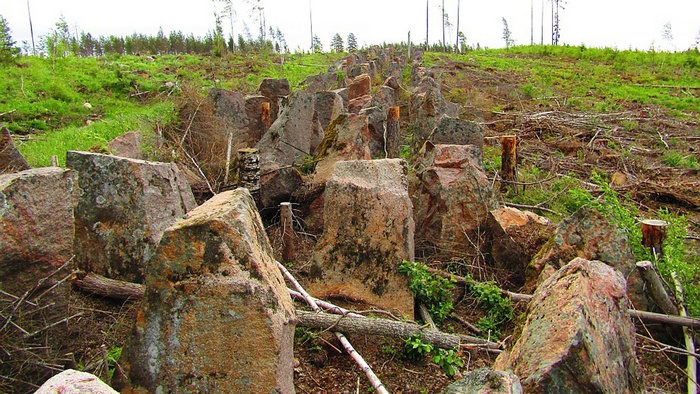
(653,236)
(509,161)
(393,134)
(249,171)
(286,220)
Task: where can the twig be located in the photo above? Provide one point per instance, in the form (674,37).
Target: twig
(376,383)
(184,135)
(199,170)
(469,326)
(53,325)
(533,207)
(8,112)
(667,347)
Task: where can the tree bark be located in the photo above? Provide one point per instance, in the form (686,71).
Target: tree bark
(656,288)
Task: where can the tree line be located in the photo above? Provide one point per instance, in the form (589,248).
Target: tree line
(60,42)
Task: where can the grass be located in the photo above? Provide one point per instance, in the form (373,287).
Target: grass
(601,80)
(45,97)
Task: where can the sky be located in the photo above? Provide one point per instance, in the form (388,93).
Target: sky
(619,24)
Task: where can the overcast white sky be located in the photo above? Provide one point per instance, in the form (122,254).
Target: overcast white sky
(620,24)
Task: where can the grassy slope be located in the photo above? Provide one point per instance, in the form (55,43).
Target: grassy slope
(45,98)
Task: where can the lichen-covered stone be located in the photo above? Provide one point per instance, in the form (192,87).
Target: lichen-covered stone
(590,235)
(125,206)
(486,381)
(578,337)
(294,135)
(73,382)
(368,232)
(453,198)
(127,145)
(456,131)
(36,217)
(329,105)
(216,317)
(514,237)
(10,158)
(428,106)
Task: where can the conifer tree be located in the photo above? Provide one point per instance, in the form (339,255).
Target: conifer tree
(352,42)
(337,43)
(7,45)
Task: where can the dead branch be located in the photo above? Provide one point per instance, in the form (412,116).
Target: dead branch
(425,316)
(531,207)
(692,364)
(376,383)
(101,286)
(656,287)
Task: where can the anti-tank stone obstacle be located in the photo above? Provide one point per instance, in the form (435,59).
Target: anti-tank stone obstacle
(123,209)
(368,219)
(216,317)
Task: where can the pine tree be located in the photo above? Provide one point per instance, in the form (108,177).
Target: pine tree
(317,46)
(7,46)
(352,42)
(506,34)
(337,43)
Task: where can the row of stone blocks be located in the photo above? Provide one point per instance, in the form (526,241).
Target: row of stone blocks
(217,316)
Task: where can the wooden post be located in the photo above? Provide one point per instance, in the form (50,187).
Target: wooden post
(265,114)
(509,161)
(249,170)
(287,224)
(228,157)
(653,236)
(54,161)
(392,138)
(656,288)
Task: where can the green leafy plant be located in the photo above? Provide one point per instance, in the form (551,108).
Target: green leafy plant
(432,290)
(676,258)
(448,360)
(415,349)
(113,356)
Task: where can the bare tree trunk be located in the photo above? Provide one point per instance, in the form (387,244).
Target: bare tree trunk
(444,44)
(31,29)
(532,22)
(427,14)
(457,48)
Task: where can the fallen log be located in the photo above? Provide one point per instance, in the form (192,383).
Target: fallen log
(110,288)
(386,327)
